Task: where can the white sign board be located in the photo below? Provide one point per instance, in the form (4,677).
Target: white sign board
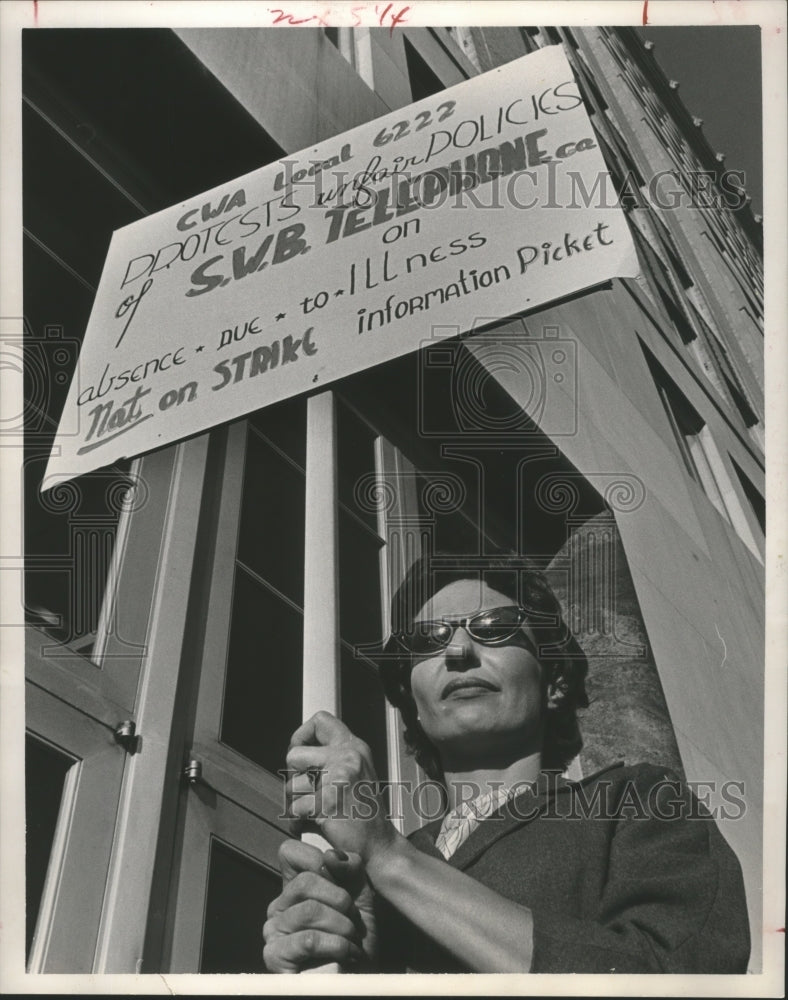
(488,199)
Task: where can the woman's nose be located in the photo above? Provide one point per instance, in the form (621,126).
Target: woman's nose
(461,650)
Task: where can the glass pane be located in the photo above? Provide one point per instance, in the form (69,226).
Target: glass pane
(173,131)
(359,583)
(45,772)
(455,534)
(271,541)
(239,891)
(262,694)
(364,707)
(70,531)
(284,424)
(423,81)
(757,502)
(355,461)
(74,200)
(57,307)
(453,531)
(70,537)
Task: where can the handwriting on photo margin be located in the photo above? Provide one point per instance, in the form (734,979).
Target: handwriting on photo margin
(380,13)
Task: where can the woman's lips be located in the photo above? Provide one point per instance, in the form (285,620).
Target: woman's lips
(469,684)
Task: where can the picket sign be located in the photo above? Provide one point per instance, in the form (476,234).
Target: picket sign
(488,199)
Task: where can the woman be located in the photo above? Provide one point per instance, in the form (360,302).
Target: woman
(617,873)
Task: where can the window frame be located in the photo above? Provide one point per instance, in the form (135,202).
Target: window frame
(81,849)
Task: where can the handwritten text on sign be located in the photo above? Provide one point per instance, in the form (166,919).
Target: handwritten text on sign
(472,203)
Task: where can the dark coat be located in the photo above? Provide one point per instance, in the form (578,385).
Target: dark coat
(623,871)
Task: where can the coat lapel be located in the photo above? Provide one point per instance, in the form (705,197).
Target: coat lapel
(522,810)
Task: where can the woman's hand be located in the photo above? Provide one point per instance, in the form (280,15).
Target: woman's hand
(335,788)
(324,913)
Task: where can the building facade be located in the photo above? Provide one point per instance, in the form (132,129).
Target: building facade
(186,609)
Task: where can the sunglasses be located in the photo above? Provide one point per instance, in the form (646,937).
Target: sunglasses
(492,628)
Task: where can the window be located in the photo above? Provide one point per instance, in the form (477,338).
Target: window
(754,496)
(267,613)
(463,37)
(701,456)
(239,891)
(73,776)
(689,430)
(725,377)
(343,39)
(70,532)
(589,86)
(423,80)
(45,775)
(749,417)
(667,292)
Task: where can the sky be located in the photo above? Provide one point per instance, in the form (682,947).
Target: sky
(719,72)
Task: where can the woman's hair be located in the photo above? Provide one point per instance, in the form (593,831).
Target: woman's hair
(563,661)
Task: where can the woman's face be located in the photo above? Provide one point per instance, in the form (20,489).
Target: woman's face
(477,701)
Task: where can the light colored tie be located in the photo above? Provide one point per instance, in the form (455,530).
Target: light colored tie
(460,823)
